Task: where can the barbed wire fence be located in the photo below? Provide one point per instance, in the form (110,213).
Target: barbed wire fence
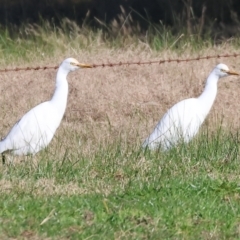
(177,60)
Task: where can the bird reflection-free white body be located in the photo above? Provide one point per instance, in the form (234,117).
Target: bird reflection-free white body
(36,128)
(183,120)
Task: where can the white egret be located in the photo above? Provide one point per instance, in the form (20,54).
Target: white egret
(183,120)
(36,128)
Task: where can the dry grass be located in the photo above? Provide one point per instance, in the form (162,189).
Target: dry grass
(93,179)
(106,102)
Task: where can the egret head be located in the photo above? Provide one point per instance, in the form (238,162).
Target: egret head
(222,70)
(71,64)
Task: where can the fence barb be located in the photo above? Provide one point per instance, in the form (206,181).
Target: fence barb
(177,60)
(27,69)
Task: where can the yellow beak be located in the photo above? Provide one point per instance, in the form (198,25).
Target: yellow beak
(83,65)
(232,73)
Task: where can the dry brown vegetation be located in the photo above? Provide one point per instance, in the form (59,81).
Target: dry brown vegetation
(106,102)
(104,106)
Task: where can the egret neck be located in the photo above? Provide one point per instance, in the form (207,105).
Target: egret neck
(208,96)
(59,98)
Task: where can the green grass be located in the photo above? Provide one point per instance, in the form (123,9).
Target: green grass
(115,190)
(18,44)
(190,192)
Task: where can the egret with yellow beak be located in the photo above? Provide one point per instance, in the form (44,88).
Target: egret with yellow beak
(183,120)
(35,130)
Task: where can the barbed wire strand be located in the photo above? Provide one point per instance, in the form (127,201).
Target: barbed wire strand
(177,60)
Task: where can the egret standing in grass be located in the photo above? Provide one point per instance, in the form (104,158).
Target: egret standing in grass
(183,120)
(34,131)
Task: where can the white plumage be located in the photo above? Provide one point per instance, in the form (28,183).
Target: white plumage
(36,128)
(183,120)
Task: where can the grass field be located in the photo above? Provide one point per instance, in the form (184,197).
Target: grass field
(94,181)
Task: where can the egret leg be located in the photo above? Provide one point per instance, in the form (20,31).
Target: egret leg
(3,159)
